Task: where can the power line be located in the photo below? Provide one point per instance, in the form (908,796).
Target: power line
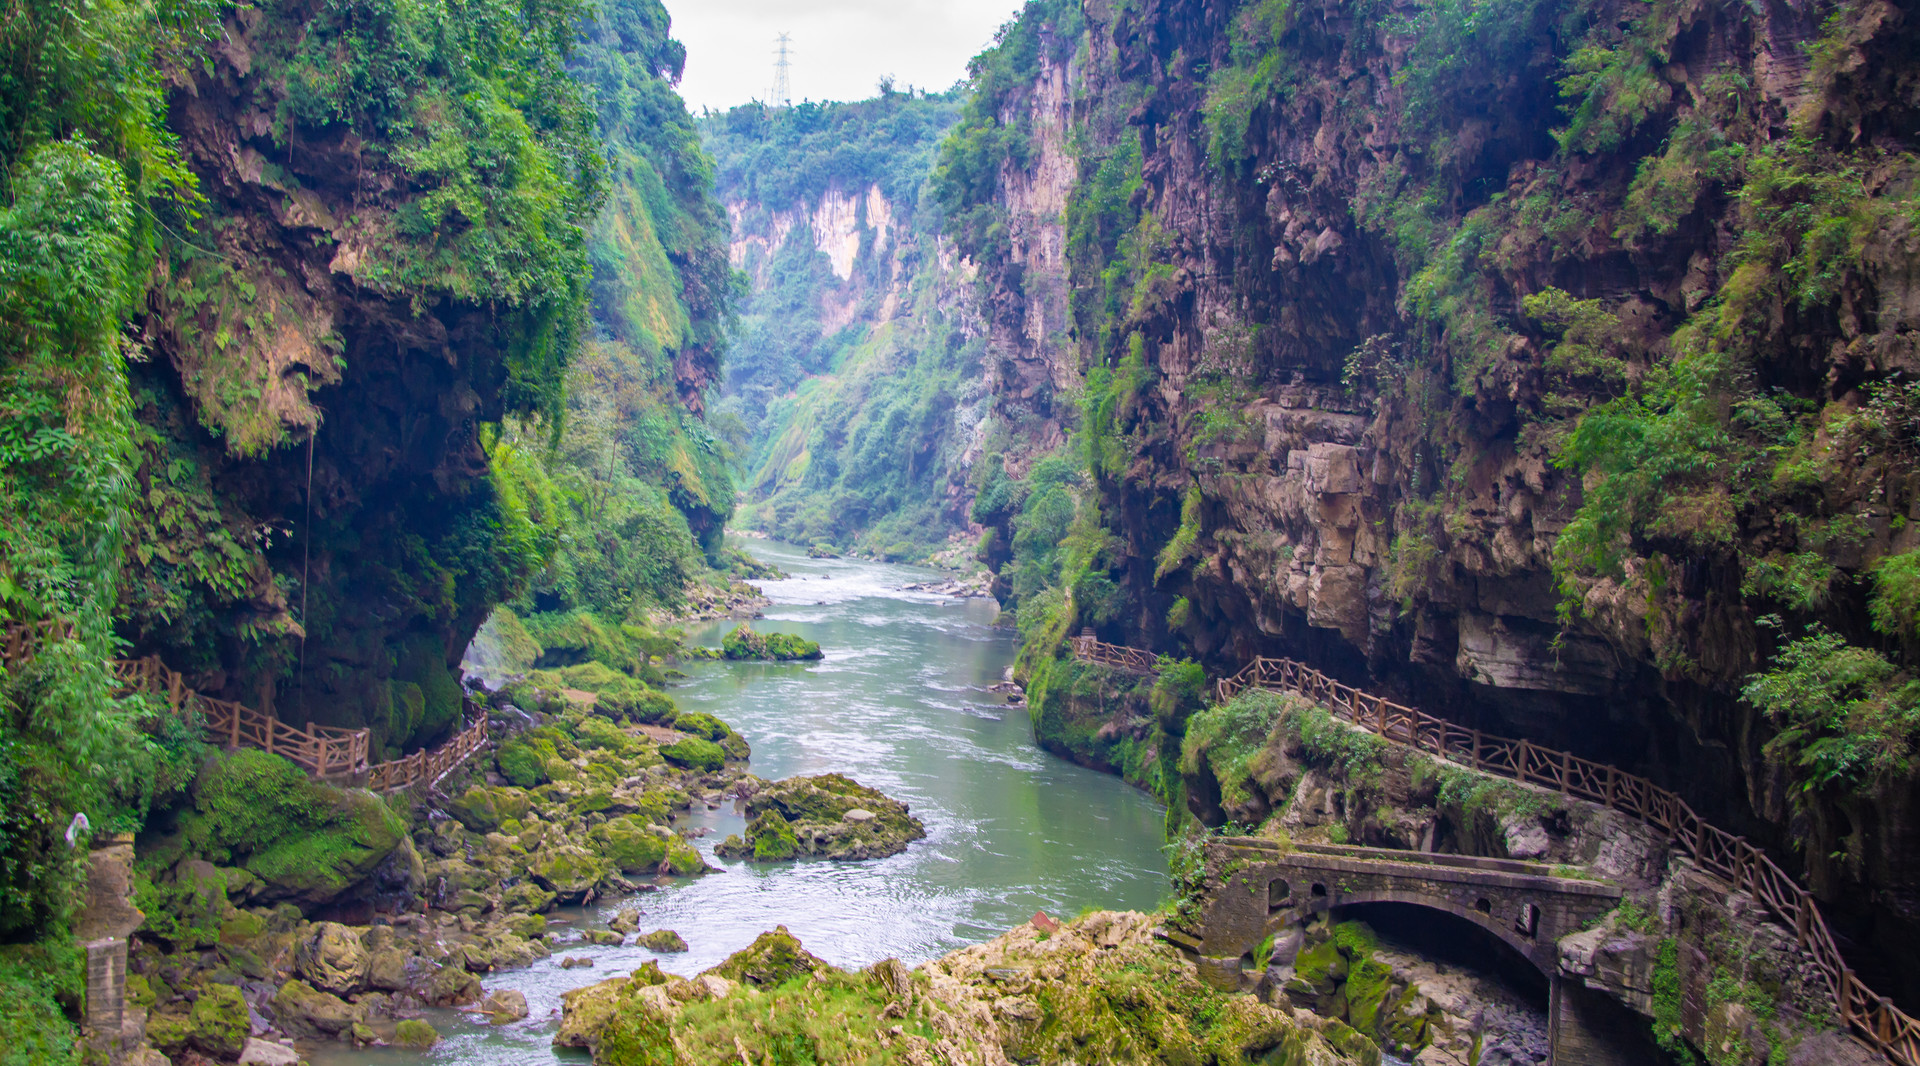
(782,94)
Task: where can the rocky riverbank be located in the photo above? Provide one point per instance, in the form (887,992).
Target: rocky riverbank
(1096,989)
(385,907)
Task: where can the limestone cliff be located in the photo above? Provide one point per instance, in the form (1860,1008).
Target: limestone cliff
(856,385)
(1530,363)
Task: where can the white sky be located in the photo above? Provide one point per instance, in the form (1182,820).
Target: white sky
(840,48)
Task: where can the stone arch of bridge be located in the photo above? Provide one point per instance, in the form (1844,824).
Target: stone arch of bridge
(1501,929)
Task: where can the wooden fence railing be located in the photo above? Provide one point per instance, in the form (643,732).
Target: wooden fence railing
(323,751)
(1868,1015)
(1089,648)
(430,766)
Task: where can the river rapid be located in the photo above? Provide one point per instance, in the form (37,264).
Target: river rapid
(901,703)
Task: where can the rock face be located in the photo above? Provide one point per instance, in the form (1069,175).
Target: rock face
(1098,989)
(1370,299)
(827,816)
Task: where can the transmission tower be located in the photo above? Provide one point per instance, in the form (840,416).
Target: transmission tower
(782,94)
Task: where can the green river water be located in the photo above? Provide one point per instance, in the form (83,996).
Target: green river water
(900,703)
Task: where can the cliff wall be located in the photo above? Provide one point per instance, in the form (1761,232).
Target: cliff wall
(1546,364)
(856,386)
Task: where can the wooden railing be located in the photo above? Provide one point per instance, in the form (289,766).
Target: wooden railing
(1870,1016)
(21,637)
(1086,646)
(430,766)
(323,751)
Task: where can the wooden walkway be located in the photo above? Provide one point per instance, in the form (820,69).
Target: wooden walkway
(1090,649)
(323,751)
(1870,1016)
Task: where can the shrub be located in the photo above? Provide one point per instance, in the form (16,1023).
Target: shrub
(1846,716)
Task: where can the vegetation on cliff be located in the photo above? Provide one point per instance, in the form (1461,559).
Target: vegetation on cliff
(221,240)
(1518,344)
(854,386)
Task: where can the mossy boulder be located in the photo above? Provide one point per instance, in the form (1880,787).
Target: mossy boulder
(1337,976)
(568,871)
(331,958)
(772,959)
(169,1030)
(743,643)
(827,816)
(695,753)
(683,858)
(702,724)
(220,1025)
(630,843)
(665,941)
(305,1011)
(484,809)
(306,842)
(413,1032)
(636,703)
(587,1012)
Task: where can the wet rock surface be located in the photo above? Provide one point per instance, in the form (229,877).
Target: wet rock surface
(826,816)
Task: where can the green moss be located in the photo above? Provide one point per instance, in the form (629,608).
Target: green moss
(412,1032)
(695,754)
(772,838)
(743,643)
(219,1021)
(773,959)
(629,842)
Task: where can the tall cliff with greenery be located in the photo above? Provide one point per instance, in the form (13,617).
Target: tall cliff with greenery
(305,374)
(855,392)
(1546,363)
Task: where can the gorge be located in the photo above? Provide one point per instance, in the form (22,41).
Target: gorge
(1540,368)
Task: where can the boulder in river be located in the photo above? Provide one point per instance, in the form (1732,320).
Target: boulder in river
(504,1005)
(828,816)
(664,941)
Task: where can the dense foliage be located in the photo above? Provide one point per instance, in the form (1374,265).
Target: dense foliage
(474,128)
(852,384)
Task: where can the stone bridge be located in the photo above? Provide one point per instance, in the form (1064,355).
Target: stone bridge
(1273,888)
(1264,888)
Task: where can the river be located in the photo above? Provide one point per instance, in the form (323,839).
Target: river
(900,702)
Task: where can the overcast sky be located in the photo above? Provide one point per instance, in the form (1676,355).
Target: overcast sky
(840,48)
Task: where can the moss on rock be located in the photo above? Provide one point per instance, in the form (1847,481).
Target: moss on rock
(695,753)
(220,1025)
(827,816)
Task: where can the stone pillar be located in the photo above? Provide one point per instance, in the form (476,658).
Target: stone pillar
(103,926)
(106,994)
(1588,1028)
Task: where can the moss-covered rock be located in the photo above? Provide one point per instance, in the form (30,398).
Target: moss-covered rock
(484,809)
(306,842)
(743,643)
(305,1011)
(413,1032)
(630,843)
(1337,976)
(828,816)
(662,940)
(568,871)
(695,753)
(772,959)
(331,958)
(220,1022)
(1099,989)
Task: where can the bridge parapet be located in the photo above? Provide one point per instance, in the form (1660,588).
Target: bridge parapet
(1262,887)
